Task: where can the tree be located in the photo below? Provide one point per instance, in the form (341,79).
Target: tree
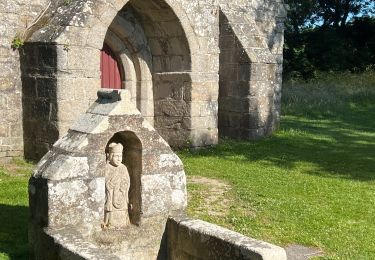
(300,14)
(329,35)
(325,13)
(337,12)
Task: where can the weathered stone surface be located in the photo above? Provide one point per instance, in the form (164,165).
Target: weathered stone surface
(65,167)
(72,143)
(75,203)
(170,53)
(112,108)
(11,143)
(72,188)
(204,137)
(248,67)
(111,244)
(196,239)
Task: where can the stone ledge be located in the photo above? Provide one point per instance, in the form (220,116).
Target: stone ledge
(191,239)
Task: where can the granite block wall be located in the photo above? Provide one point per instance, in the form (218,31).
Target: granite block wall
(15,17)
(196,68)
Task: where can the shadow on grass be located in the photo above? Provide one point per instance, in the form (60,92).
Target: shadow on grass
(13,231)
(339,145)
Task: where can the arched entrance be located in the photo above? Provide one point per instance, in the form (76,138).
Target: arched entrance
(151,43)
(170,70)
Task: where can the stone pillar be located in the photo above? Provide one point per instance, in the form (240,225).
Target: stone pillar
(204,108)
(205,78)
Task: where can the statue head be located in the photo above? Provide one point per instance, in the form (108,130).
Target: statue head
(115,154)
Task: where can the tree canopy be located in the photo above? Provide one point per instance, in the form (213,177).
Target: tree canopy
(329,35)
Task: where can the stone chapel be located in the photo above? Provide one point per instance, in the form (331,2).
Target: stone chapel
(196,69)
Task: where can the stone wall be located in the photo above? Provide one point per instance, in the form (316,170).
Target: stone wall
(234,82)
(181,49)
(15,17)
(197,239)
(204,19)
(49,110)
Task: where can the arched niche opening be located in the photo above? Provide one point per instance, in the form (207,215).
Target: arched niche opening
(132,159)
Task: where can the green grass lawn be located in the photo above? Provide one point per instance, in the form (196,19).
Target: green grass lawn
(13,210)
(313,182)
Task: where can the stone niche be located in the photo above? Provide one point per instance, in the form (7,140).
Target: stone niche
(67,191)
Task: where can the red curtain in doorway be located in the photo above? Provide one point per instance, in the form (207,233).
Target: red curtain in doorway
(109,68)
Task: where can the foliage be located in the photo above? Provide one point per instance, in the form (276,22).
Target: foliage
(313,182)
(305,13)
(17,43)
(329,49)
(333,35)
(66,47)
(67,2)
(328,94)
(300,14)
(336,12)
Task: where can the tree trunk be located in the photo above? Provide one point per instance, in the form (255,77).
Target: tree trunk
(346,10)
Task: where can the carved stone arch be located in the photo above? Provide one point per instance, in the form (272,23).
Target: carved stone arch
(162,56)
(97,26)
(172,96)
(133,37)
(136,65)
(144,54)
(126,61)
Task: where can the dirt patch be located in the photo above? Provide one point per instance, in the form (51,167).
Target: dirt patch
(214,195)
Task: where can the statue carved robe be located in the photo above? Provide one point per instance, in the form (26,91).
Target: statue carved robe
(117,184)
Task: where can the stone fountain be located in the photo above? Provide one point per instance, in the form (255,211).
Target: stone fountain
(112,188)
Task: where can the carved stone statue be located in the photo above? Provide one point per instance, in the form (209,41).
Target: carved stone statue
(117,184)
